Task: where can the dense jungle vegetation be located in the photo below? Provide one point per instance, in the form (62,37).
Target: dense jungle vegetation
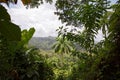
(92,61)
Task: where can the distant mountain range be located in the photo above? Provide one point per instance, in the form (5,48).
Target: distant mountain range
(44,43)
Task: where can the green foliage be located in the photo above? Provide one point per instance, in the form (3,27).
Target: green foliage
(30,65)
(35,3)
(18,62)
(95,61)
(4,12)
(22,63)
(26,36)
(103,61)
(62,45)
(61,66)
(28,3)
(87,15)
(7,28)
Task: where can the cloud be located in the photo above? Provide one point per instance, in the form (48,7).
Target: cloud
(42,18)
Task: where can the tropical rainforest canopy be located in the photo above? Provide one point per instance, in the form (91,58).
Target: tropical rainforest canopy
(95,61)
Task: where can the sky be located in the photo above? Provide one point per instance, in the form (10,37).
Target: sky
(42,19)
(113,1)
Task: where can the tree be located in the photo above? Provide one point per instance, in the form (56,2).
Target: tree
(28,3)
(90,14)
(93,16)
(83,14)
(63,45)
(18,62)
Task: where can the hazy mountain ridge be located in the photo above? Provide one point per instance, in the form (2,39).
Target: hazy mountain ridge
(44,43)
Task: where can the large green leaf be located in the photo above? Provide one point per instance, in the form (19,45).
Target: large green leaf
(4,16)
(26,36)
(9,30)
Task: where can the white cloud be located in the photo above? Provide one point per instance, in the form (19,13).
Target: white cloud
(42,18)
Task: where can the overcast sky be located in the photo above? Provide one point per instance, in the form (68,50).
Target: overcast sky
(42,18)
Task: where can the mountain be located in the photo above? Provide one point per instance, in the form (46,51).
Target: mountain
(44,43)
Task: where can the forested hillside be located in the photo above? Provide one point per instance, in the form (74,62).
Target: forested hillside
(96,61)
(44,43)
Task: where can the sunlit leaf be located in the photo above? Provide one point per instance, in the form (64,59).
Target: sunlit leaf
(26,36)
